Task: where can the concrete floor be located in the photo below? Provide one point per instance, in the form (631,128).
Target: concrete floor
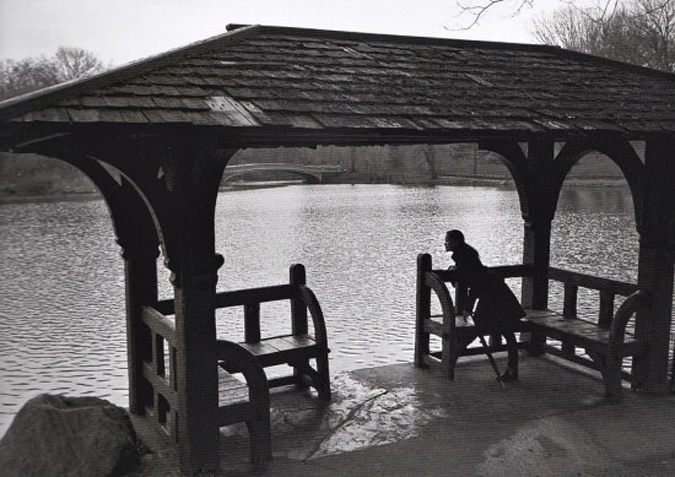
(401,421)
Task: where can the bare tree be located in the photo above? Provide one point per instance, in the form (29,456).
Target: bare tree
(477,9)
(30,74)
(72,63)
(655,27)
(641,32)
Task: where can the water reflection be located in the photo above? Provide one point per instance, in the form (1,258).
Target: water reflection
(62,316)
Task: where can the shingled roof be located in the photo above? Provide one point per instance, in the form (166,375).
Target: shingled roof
(275,86)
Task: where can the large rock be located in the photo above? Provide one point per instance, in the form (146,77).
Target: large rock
(68,436)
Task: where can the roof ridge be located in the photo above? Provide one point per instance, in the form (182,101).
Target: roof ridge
(278,29)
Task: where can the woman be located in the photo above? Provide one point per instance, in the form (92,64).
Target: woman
(498,309)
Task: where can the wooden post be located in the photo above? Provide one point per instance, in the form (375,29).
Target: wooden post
(140,270)
(570,300)
(655,264)
(138,239)
(196,365)
(538,182)
(423,307)
(606,309)
(536,252)
(187,222)
(252,323)
(569,312)
(542,189)
(298,308)
(299,325)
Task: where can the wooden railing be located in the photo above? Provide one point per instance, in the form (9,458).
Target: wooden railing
(608,319)
(605,341)
(295,348)
(238,401)
(158,369)
(608,289)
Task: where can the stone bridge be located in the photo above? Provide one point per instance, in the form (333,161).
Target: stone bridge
(311,173)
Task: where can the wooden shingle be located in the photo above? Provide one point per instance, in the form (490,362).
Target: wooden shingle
(321,80)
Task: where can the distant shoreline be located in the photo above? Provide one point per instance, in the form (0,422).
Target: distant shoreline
(476,181)
(61,197)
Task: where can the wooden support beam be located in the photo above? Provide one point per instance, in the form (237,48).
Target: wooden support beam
(140,270)
(196,370)
(655,265)
(194,265)
(538,182)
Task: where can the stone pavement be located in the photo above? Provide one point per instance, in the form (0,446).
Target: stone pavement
(401,421)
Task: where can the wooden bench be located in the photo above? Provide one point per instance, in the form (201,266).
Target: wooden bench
(243,385)
(246,400)
(606,342)
(296,348)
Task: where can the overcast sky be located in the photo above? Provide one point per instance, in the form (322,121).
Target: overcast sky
(120,31)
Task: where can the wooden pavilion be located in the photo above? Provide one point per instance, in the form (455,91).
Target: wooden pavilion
(155,136)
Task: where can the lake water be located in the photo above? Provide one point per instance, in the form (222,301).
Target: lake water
(62,322)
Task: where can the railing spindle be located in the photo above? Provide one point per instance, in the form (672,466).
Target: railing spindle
(570,303)
(252,322)
(606,309)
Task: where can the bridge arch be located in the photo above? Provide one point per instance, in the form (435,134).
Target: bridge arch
(312,174)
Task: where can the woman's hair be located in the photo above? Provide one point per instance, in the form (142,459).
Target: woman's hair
(455,235)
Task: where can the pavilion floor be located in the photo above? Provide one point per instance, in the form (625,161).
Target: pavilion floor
(400,421)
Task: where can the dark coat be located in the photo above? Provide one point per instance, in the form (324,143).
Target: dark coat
(498,309)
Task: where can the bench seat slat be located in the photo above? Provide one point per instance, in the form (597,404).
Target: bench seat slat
(277,344)
(435,327)
(230,389)
(284,349)
(585,333)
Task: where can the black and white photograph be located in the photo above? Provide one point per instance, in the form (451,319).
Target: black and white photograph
(337,238)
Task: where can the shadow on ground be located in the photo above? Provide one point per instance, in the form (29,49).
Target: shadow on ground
(401,421)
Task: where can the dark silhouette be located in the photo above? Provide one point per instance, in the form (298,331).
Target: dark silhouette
(497,310)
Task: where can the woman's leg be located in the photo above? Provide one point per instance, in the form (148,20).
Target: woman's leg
(512,349)
(511,373)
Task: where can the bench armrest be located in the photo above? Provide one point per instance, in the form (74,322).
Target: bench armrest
(617,330)
(309,299)
(235,359)
(436,283)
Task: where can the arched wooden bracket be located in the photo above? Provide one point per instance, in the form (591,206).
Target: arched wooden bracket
(131,217)
(507,148)
(618,150)
(513,157)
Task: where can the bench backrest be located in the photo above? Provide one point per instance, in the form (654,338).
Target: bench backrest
(607,288)
(301,297)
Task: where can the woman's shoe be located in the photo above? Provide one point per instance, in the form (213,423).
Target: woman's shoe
(510,374)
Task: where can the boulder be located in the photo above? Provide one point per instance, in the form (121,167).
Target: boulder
(56,435)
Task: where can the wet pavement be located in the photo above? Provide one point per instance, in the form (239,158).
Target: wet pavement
(401,421)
